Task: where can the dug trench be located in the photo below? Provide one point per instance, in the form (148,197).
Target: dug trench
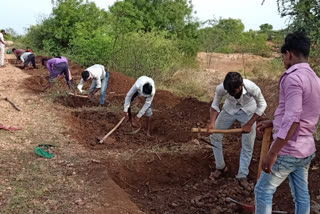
(168,172)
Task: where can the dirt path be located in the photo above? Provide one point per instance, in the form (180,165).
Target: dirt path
(64,184)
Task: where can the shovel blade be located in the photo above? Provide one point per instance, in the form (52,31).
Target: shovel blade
(108,140)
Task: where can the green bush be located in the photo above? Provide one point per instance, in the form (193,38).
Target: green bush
(148,54)
(97,50)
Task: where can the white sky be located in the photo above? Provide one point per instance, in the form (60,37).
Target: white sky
(20,14)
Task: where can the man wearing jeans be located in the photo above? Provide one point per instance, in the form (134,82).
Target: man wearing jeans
(294,122)
(99,78)
(2,45)
(244,102)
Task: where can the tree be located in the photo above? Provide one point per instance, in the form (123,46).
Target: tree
(266,28)
(304,15)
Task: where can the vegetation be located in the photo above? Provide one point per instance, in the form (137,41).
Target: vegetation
(228,36)
(148,37)
(305,17)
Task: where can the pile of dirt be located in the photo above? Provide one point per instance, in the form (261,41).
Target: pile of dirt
(119,83)
(175,123)
(37,83)
(156,171)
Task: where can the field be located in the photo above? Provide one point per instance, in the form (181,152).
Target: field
(165,173)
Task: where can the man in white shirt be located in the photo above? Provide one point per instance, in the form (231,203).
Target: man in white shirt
(28,58)
(244,102)
(144,86)
(2,45)
(99,78)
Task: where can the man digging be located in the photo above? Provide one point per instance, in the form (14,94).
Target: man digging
(99,77)
(18,53)
(244,102)
(144,86)
(58,66)
(28,58)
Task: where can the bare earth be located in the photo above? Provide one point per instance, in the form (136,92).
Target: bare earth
(166,173)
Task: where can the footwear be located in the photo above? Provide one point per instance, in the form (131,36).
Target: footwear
(218,173)
(243,182)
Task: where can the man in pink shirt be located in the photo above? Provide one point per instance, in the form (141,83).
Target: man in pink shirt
(294,122)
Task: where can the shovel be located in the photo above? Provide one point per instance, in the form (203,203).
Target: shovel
(109,133)
(223,131)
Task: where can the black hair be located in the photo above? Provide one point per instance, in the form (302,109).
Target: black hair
(58,57)
(3,31)
(297,43)
(147,88)
(85,75)
(13,49)
(43,60)
(232,81)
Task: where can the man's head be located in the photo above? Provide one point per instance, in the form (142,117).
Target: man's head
(44,61)
(147,88)
(233,84)
(85,75)
(13,49)
(3,31)
(295,49)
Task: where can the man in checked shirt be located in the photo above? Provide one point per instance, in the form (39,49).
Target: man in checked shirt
(293,124)
(244,102)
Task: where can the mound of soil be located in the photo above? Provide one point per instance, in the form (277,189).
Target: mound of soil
(37,83)
(160,176)
(119,83)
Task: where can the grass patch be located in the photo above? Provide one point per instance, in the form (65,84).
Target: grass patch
(272,69)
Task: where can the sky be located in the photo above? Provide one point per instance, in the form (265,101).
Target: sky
(19,15)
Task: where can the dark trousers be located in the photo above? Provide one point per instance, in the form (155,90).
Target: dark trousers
(31,58)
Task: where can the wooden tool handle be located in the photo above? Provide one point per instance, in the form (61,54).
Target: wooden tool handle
(223,131)
(264,147)
(76,95)
(112,130)
(14,105)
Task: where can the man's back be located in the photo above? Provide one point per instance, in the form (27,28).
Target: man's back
(299,100)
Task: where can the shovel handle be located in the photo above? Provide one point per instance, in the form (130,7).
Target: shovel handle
(112,130)
(223,131)
(76,95)
(264,148)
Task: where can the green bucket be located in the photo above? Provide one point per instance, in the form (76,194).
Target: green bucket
(8,51)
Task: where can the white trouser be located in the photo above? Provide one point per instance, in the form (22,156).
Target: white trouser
(1,55)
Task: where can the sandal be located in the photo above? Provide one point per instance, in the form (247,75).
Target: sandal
(243,182)
(218,173)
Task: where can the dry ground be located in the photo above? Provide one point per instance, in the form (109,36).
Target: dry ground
(166,173)
(64,184)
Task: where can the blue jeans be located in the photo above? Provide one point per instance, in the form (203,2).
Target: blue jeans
(224,121)
(149,110)
(296,169)
(103,90)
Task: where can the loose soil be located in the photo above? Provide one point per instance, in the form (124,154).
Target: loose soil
(168,172)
